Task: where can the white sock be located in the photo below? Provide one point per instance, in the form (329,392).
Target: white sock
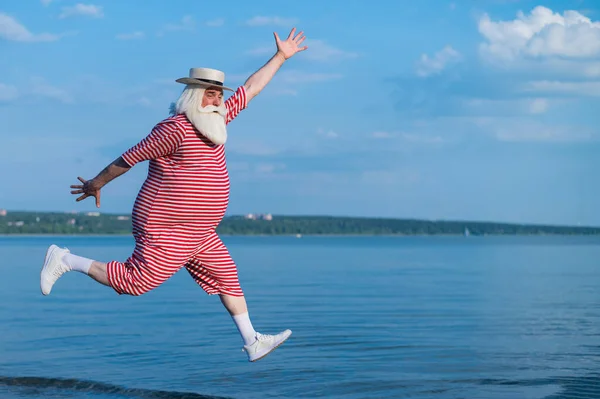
(242,321)
(77,263)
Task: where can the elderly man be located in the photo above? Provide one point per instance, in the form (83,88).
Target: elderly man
(182,200)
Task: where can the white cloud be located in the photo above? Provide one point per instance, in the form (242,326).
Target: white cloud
(130,36)
(522,128)
(11,29)
(287,83)
(253,147)
(37,88)
(44,148)
(429,66)
(88,10)
(186,24)
(273,20)
(46,2)
(382,135)
(8,92)
(413,138)
(319,50)
(420,138)
(328,133)
(538,106)
(534,132)
(505,107)
(514,129)
(564,88)
(262,50)
(508,107)
(40,88)
(542,33)
(269,168)
(144,101)
(215,22)
(591,70)
(91,89)
(295,76)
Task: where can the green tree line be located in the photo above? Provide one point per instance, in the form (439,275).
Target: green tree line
(82,223)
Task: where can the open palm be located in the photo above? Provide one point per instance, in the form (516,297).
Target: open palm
(89,188)
(291,45)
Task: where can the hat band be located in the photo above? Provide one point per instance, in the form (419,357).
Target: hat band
(214,82)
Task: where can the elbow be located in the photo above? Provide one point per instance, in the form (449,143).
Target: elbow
(249,88)
(251,91)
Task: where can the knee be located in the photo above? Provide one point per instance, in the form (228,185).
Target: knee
(136,289)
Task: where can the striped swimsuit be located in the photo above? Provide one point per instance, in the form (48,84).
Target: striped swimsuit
(178,208)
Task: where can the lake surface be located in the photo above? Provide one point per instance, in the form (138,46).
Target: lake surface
(372,317)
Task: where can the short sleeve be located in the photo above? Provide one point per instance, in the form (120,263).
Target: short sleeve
(235,104)
(164,139)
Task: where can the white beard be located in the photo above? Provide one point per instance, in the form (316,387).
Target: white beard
(210,122)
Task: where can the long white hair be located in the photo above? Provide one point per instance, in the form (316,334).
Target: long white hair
(209,120)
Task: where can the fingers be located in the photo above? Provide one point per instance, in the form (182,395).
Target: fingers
(78,187)
(291,33)
(98,200)
(276,37)
(299,41)
(84,196)
(81,179)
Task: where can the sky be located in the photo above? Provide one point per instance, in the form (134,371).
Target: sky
(445,110)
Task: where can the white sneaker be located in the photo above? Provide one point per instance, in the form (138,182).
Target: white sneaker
(53,268)
(265,344)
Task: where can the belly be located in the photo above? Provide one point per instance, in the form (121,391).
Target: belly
(198,197)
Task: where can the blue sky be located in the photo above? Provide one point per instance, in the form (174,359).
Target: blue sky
(480,110)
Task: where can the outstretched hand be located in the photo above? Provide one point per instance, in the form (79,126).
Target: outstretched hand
(291,45)
(89,189)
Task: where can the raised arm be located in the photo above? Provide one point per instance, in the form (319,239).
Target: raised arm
(285,50)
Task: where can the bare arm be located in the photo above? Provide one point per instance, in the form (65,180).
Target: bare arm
(285,49)
(91,188)
(259,79)
(164,139)
(115,169)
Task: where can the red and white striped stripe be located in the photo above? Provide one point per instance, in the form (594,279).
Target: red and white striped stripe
(178,208)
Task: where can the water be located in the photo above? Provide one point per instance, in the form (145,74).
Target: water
(372,317)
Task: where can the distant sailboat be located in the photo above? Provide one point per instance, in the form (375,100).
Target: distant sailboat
(467,232)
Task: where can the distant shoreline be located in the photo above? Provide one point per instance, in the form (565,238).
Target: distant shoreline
(111,225)
(300,236)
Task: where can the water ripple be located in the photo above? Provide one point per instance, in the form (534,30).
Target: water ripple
(52,387)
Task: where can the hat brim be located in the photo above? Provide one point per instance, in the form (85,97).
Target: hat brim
(192,81)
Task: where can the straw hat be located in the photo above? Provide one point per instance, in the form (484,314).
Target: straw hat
(205,77)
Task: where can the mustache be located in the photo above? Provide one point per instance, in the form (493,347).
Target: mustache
(211,108)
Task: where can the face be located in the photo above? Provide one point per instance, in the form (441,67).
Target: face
(209,118)
(212,96)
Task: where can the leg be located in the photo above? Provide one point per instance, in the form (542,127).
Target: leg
(154,260)
(60,260)
(98,272)
(235,305)
(214,270)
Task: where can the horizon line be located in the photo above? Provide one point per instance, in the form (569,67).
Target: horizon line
(406,218)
